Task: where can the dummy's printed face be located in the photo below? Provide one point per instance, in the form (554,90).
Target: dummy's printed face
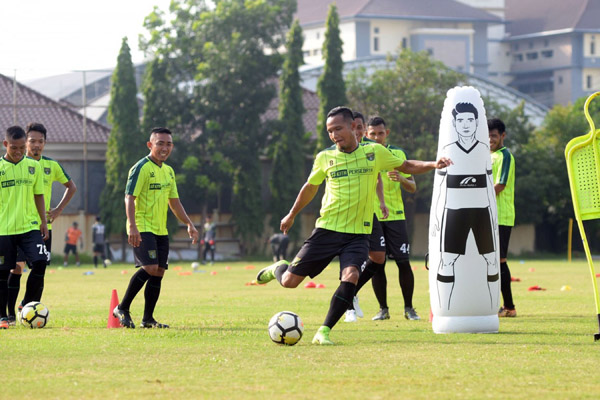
(465,124)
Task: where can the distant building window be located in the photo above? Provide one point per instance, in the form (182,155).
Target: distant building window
(532,56)
(376,30)
(316,52)
(588,81)
(376,44)
(518,57)
(592,47)
(430,51)
(404,43)
(306,53)
(560,80)
(547,53)
(546,42)
(531,45)
(318,35)
(516,46)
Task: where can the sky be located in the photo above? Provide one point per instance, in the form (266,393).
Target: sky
(49,37)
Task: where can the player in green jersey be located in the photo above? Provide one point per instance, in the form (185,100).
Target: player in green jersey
(52,172)
(503,170)
(346,214)
(151,190)
(22,217)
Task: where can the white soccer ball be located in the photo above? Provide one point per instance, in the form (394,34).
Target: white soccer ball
(195,265)
(34,315)
(286,327)
(107,262)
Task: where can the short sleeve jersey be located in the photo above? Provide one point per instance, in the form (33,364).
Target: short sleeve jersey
(347,204)
(152,186)
(503,169)
(73,235)
(98,233)
(19,182)
(392,192)
(52,172)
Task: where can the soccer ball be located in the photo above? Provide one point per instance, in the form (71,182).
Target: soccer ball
(34,315)
(286,327)
(195,265)
(107,262)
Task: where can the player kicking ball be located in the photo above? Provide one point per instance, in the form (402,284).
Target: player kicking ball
(346,213)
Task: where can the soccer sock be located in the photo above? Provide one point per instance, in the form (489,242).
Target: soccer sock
(13,284)
(3,292)
(95,261)
(379,283)
(505,288)
(151,294)
(371,268)
(280,270)
(135,285)
(407,281)
(35,282)
(342,298)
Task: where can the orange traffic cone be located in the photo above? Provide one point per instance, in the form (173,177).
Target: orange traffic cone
(430,315)
(112,321)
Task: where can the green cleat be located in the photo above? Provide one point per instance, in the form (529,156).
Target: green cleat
(267,274)
(322,336)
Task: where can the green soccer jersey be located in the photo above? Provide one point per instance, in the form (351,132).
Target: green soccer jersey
(392,192)
(503,169)
(152,187)
(347,204)
(52,172)
(19,183)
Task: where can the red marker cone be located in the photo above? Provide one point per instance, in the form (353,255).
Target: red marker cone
(112,321)
(430,315)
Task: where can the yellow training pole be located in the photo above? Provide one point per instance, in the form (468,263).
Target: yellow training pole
(570,239)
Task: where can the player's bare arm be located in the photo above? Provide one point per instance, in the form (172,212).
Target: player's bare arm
(498,187)
(414,167)
(306,194)
(134,237)
(177,208)
(40,205)
(408,184)
(384,210)
(67,196)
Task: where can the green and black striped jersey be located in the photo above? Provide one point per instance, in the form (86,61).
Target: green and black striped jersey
(152,187)
(19,183)
(52,172)
(392,192)
(503,170)
(347,204)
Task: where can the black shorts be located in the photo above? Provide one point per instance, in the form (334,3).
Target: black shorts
(70,248)
(323,245)
(504,233)
(397,245)
(458,224)
(31,243)
(99,248)
(376,238)
(48,243)
(154,250)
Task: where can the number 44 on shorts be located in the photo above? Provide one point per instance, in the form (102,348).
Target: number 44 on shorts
(405,248)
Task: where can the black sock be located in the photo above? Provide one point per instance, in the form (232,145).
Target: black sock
(371,268)
(95,261)
(407,281)
(135,285)
(14,284)
(379,283)
(505,282)
(280,270)
(3,292)
(35,281)
(342,298)
(151,294)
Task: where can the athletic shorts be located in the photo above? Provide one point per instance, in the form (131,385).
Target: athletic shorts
(31,243)
(323,245)
(153,250)
(48,243)
(458,224)
(98,248)
(504,233)
(376,238)
(70,248)
(396,242)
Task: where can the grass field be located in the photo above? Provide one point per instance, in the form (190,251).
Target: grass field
(218,345)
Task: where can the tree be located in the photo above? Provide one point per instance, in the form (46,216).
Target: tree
(287,173)
(330,86)
(126,144)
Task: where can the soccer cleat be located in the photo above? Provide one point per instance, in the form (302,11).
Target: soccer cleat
(123,317)
(381,315)
(12,320)
(153,324)
(359,311)
(505,312)
(411,314)
(4,323)
(350,316)
(322,336)
(267,274)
